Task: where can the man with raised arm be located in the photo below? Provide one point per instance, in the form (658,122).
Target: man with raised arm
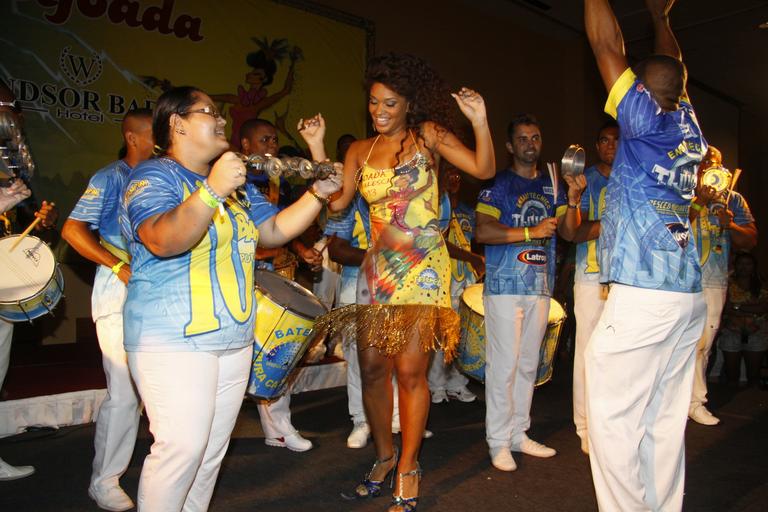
(93,230)
(640,358)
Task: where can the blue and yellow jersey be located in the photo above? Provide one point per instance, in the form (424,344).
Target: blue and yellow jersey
(645,232)
(523,268)
(462,228)
(201,299)
(592,202)
(99,206)
(713,244)
(351,224)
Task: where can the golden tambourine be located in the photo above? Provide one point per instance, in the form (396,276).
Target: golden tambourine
(717,177)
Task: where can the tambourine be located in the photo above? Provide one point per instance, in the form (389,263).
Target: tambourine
(572,163)
(287,166)
(717,177)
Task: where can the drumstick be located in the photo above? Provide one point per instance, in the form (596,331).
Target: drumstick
(736,175)
(25,233)
(553,176)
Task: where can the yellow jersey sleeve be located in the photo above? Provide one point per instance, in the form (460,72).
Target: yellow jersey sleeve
(618,91)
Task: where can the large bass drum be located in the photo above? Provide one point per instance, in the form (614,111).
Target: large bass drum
(471,357)
(31,283)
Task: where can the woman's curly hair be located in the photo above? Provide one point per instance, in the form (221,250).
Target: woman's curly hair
(411,77)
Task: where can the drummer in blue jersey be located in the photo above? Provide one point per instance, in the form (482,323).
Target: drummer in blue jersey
(457,222)
(717,228)
(259,137)
(640,359)
(518,217)
(93,230)
(588,295)
(192,230)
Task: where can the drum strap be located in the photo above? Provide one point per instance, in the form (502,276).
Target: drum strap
(115,251)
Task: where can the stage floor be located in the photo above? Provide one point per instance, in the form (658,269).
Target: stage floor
(727,464)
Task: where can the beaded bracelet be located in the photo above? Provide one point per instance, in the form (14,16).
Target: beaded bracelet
(209,197)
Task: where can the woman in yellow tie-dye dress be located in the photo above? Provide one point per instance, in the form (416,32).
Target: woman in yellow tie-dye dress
(404,304)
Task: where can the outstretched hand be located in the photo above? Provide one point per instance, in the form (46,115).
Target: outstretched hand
(13,195)
(471,105)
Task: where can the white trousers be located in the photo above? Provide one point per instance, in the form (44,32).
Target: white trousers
(118,419)
(715,300)
(192,400)
(639,367)
(587,308)
(6,335)
(355,388)
(275,416)
(514,328)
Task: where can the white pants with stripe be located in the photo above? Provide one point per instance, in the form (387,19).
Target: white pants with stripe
(587,308)
(639,368)
(118,421)
(715,300)
(514,329)
(192,400)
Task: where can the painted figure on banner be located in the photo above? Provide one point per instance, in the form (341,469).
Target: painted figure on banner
(249,103)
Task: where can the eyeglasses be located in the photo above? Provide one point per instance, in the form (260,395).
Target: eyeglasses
(269,138)
(14,105)
(207,110)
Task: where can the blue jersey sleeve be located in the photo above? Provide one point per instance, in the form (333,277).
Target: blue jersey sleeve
(342,224)
(489,201)
(90,205)
(741,212)
(632,105)
(261,209)
(150,190)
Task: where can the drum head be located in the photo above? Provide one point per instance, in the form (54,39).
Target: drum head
(556,312)
(289,294)
(26,269)
(717,177)
(473,298)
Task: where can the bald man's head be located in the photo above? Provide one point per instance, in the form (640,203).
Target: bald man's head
(665,78)
(137,134)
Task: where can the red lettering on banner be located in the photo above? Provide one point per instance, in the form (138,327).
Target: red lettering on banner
(154,18)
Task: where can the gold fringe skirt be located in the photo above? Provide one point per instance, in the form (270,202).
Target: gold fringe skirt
(389,327)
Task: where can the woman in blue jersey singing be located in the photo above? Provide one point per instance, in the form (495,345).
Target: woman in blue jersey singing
(192,230)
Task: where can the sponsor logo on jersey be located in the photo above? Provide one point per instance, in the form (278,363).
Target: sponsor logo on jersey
(134,188)
(533,257)
(92,192)
(680,233)
(428,279)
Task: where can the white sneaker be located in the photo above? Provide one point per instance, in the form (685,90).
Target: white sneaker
(111,498)
(8,472)
(293,442)
(530,447)
(702,416)
(439,396)
(462,395)
(358,438)
(501,458)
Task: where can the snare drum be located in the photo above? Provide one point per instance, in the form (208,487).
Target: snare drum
(285,315)
(471,356)
(31,283)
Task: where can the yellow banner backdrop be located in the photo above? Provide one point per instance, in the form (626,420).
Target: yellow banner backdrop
(78,65)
